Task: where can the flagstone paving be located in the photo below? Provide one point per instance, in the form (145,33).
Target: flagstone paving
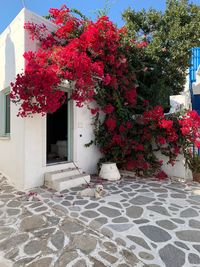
(158,221)
(35,234)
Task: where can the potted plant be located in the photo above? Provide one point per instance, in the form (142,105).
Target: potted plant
(193,163)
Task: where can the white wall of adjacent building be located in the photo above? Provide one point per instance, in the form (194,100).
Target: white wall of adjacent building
(12,45)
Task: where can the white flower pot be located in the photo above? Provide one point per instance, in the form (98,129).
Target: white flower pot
(109,171)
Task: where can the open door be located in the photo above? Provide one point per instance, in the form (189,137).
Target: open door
(59,135)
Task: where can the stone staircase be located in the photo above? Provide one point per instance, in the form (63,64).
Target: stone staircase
(65,179)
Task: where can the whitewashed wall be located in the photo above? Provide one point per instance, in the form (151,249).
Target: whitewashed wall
(179,170)
(35,133)
(85,157)
(12,62)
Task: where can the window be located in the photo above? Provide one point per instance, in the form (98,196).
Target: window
(5,112)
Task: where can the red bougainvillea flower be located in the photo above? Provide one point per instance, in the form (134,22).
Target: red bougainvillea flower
(111,124)
(94,110)
(154,114)
(172,162)
(197,143)
(185,130)
(117,139)
(193,114)
(129,125)
(176,150)
(166,124)
(122,129)
(108,108)
(123,30)
(140,156)
(107,79)
(172,135)
(131,164)
(161,175)
(139,147)
(161,140)
(130,96)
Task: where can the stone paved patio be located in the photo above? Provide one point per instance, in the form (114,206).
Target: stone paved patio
(35,234)
(159,222)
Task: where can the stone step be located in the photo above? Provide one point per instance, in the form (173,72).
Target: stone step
(69,182)
(128,173)
(54,175)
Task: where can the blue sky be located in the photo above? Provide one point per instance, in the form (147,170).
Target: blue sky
(10,8)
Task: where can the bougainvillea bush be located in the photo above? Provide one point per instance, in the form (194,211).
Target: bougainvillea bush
(94,57)
(133,143)
(89,53)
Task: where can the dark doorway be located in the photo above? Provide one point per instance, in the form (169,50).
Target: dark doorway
(57,135)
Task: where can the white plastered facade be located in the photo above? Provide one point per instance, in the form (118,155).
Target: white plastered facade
(23,153)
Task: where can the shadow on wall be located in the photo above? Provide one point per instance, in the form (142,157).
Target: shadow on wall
(10,65)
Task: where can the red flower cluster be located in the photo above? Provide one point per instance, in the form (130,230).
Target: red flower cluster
(189,124)
(155,114)
(161,175)
(130,143)
(173,134)
(86,52)
(111,124)
(36,88)
(108,108)
(130,96)
(166,124)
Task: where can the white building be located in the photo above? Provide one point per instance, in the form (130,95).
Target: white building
(31,147)
(52,146)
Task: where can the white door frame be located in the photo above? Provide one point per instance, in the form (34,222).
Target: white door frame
(70,134)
